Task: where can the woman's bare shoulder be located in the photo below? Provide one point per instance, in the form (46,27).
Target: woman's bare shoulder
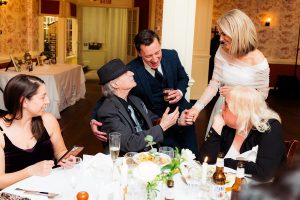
(254,58)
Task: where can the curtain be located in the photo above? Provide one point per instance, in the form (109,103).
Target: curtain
(116,34)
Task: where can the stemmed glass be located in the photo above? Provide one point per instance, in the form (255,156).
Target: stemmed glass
(114,146)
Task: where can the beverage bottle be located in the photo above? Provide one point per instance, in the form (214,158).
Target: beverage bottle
(170,190)
(217,188)
(239,179)
(219,177)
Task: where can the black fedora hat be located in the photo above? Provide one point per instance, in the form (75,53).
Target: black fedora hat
(111,70)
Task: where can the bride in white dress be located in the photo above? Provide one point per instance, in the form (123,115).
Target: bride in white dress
(237,62)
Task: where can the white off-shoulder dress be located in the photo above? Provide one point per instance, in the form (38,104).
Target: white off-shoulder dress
(231,71)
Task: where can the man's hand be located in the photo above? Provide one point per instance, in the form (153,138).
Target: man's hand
(102,136)
(174,96)
(169,119)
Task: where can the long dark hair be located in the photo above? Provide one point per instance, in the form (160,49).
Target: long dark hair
(144,37)
(17,89)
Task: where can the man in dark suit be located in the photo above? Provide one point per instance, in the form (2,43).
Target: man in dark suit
(154,70)
(127,114)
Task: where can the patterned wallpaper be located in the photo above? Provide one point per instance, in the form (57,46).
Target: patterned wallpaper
(279,41)
(19,25)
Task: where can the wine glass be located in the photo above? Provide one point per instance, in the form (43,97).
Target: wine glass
(114,146)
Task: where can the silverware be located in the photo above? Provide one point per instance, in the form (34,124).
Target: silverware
(48,194)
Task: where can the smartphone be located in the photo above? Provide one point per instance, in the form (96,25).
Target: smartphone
(74,151)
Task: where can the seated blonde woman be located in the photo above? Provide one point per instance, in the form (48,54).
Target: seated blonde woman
(247,128)
(30,138)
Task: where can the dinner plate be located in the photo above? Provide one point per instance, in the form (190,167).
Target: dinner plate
(157,158)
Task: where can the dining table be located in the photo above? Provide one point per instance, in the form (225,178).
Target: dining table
(97,176)
(65,84)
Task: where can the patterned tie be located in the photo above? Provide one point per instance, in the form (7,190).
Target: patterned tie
(158,76)
(137,127)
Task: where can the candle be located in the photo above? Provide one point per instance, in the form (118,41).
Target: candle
(204,170)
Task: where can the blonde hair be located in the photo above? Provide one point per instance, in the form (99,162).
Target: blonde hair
(251,109)
(239,27)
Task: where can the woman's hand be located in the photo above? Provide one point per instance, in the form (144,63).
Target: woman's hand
(192,113)
(218,123)
(42,168)
(185,119)
(68,162)
(225,90)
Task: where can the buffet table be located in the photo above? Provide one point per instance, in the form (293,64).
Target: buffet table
(65,84)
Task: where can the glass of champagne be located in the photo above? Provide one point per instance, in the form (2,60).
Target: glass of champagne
(114,146)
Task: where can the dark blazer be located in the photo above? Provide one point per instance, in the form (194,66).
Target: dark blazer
(271,154)
(174,74)
(115,117)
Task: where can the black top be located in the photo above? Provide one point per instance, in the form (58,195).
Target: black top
(17,159)
(271,154)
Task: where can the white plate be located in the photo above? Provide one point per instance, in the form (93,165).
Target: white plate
(157,158)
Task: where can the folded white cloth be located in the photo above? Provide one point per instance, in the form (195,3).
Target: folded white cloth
(249,155)
(98,166)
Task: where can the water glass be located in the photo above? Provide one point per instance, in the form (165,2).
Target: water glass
(166,93)
(167,150)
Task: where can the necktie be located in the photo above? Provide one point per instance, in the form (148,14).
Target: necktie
(138,127)
(158,76)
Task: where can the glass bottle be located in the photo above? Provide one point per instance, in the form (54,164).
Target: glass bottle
(217,188)
(239,179)
(219,177)
(169,195)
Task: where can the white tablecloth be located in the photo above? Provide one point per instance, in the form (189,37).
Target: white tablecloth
(95,180)
(65,84)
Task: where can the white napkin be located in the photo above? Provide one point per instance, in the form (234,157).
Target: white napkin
(249,155)
(98,166)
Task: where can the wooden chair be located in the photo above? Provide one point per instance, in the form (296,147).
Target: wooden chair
(291,147)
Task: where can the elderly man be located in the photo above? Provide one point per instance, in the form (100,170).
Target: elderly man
(126,113)
(154,70)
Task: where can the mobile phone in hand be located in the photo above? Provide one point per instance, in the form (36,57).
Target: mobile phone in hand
(74,152)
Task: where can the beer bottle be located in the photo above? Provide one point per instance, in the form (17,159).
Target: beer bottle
(217,189)
(239,179)
(219,177)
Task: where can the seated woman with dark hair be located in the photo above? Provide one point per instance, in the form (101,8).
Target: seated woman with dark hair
(30,138)
(247,126)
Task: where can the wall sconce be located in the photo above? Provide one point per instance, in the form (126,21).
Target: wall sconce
(268,21)
(3,2)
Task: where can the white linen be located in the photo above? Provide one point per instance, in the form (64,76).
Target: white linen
(87,177)
(65,84)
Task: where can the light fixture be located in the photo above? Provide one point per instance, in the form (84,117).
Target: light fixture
(268,21)
(3,2)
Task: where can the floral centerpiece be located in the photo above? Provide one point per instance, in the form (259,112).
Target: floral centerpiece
(151,173)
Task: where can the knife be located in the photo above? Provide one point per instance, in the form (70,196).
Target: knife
(48,194)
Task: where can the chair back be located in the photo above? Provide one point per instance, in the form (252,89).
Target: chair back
(291,147)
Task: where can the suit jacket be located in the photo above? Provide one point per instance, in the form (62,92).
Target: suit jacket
(271,153)
(174,74)
(115,117)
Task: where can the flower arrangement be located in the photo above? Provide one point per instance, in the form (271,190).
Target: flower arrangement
(149,173)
